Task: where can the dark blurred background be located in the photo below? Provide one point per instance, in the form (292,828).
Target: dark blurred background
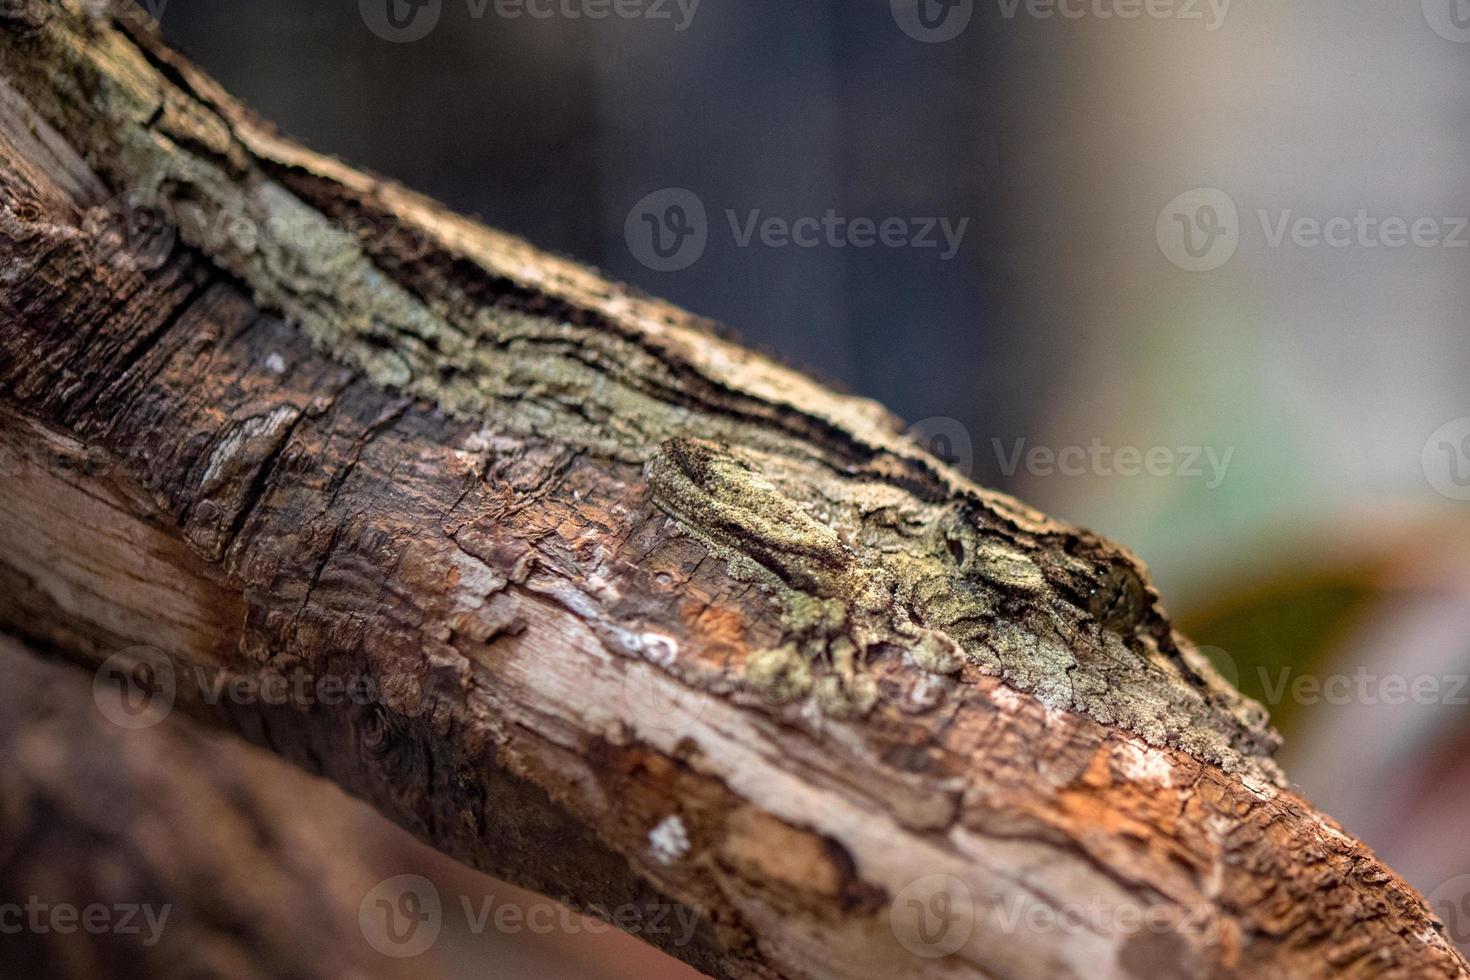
(1138,328)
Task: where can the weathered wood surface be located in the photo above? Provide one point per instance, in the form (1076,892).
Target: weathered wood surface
(646,618)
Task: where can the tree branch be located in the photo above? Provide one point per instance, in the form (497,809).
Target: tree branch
(646,618)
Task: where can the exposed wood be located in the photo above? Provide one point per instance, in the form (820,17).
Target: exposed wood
(644,617)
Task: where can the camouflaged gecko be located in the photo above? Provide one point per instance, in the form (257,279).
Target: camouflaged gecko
(857,563)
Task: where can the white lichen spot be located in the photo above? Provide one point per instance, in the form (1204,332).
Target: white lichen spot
(1332,832)
(1219,827)
(669,841)
(275,363)
(478,442)
(1258,788)
(485,440)
(1142,763)
(658,649)
(937,653)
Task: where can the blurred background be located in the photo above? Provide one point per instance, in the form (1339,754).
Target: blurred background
(1192,273)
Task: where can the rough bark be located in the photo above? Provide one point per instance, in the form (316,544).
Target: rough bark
(645,617)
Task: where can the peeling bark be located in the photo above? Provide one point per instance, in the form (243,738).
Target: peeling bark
(645,618)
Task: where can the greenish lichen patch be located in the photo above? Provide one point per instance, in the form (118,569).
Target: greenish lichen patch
(938,653)
(781,675)
(1009,568)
